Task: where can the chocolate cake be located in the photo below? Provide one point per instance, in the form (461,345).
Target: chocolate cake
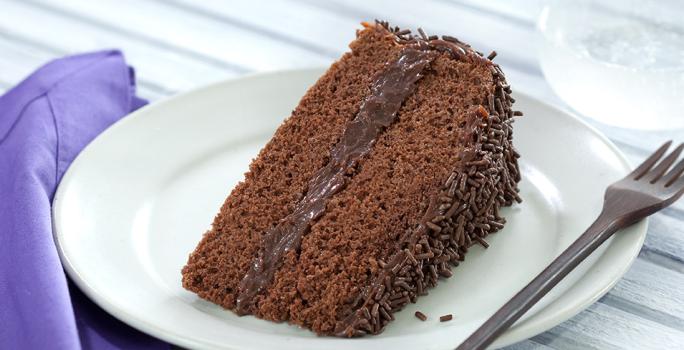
(390,168)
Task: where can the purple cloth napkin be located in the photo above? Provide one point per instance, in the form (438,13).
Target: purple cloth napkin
(45,121)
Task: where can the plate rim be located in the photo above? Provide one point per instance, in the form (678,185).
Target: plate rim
(511,336)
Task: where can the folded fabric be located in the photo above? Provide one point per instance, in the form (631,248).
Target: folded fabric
(45,122)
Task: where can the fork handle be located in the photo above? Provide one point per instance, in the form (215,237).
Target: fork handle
(604,227)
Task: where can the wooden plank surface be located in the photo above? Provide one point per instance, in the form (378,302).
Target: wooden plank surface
(181,44)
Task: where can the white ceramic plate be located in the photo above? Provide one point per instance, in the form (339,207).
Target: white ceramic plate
(137,200)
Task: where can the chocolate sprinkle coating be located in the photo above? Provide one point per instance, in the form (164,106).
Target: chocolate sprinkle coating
(486,180)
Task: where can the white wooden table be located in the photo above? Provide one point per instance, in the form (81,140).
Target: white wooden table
(181,44)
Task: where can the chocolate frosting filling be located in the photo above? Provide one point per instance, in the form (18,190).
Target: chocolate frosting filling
(388,92)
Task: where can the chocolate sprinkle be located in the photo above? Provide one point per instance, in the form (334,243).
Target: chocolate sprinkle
(422,34)
(421,316)
(481,241)
(446,318)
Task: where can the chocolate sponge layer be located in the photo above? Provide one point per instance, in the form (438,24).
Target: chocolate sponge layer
(453,129)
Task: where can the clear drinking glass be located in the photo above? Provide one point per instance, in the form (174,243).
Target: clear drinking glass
(619,62)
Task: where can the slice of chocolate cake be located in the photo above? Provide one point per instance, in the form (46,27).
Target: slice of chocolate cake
(392,165)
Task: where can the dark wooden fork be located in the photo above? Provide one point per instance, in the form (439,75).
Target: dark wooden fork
(644,191)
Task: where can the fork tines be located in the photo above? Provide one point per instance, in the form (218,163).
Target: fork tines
(660,172)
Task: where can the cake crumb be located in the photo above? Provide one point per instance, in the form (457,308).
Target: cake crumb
(421,316)
(445,318)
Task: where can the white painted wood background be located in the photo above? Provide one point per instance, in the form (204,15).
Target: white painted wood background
(181,44)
